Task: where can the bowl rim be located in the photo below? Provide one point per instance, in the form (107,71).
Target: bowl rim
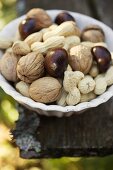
(36,105)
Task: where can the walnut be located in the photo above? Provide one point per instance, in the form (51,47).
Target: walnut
(93,33)
(30,67)
(8,65)
(45,90)
(41,17)
(80,58)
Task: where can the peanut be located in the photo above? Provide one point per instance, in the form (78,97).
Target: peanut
(65,29)
(50,43)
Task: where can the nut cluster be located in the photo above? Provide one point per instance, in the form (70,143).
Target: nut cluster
(57,62)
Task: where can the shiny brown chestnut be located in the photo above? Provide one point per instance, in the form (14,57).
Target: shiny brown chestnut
(56,62)
(27,27)
(102,56)
(62,17)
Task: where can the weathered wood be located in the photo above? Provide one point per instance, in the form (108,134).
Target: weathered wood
(87,134)
(105,11)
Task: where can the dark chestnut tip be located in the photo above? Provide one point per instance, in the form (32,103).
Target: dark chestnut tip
(56,62)
(102,56)
(27,27)
(63,17)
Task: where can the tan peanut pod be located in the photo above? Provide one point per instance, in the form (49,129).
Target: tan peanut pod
(5,43)
(100,76)
(69,68)
(23,88)
(21,48)
(88,43)
(86,85)
(9,50)
(94,71)
(103,44)
(112,58)
(62,98)
(109,76)
(8,65)
(71,79)
(53,26)
(87,97)
(71,41)
(65,29)
(100,85)
(44,30)
(50,43)
(35,37)
(73,97)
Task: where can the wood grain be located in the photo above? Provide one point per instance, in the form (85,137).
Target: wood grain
(73,5)
(87,134)
(105,11)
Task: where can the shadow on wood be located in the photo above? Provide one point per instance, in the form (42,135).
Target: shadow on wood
(87,134)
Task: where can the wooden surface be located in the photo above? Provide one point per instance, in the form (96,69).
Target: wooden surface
(88,134)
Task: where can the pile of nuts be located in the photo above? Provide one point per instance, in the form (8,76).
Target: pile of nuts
(57,62)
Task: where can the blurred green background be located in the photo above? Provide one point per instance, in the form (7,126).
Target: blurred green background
(9,154)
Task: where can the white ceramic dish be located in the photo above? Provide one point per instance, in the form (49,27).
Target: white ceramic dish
(56,110)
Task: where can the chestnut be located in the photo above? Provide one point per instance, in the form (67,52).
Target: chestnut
(27,27)
(36,19)
(56,62)
(62,17)
(102,56)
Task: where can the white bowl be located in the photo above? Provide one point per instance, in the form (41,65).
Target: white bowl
(50,110)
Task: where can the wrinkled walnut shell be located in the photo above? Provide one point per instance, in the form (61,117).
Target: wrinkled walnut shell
(30,67)
(93,33)
(42,18)
(8,65)
(45,90)
(80,58)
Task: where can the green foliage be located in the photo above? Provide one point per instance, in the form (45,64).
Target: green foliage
(7,11)
(8,112)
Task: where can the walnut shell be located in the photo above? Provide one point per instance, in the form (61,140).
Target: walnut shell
(8,65)
(80,58)
(93,33)
(42,18)
(45,90)
(30,67)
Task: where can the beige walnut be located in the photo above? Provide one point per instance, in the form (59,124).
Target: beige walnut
(45,90)
(80,58)
(41,17)
(8,65)
(30,67)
